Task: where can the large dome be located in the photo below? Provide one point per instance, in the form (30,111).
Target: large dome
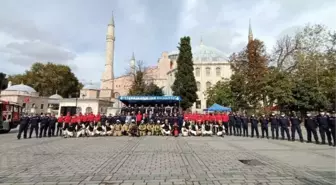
(56,96)
(90,87)
(21,87)
(203,53)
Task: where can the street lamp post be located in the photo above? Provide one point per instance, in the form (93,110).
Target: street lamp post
(76,102)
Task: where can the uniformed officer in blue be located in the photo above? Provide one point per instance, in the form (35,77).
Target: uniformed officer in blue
(238,125)
(245,122)
(322,121)
(296,126)
(232,123)
(264,126)
(24,124)
(254,125)
(44,124)
(311,124)
(52,125)
(34,125)
(332,125)
(284,124)
(274,126)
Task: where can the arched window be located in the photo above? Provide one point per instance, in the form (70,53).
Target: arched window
(207,71)
(198,86)
(218,71)
(198,72)
(208,85)
(79,110)
(88,110)
(116,95)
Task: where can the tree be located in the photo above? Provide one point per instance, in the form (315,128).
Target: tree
(49,78)
(220,93)
(257,61)
(153,90)
(185,83)
(142,84)
(3,81)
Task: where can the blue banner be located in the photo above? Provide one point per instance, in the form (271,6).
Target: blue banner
(149,98)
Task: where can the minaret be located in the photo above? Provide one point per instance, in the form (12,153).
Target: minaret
(250,34)
(107,81)
(133,64)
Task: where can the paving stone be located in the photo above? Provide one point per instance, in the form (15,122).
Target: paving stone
(162,161)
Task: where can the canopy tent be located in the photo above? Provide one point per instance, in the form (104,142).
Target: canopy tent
(218,108)
(167,100)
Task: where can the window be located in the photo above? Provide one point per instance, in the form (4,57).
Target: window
(198,72)
(24,105)
(208,85)
(198,104)
(207,71)
(88,110)
(218,71)
(198,86)
(42,105)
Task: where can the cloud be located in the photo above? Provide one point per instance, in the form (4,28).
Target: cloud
(225,26)
(74,32)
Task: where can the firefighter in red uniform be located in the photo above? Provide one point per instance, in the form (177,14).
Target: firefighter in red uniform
(73,124)
(97,122)
(67,121)
(60,122)
(85,119)
(225,120)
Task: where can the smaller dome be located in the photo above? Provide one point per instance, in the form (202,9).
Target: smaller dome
(90,87)
(21,87)
(56,96)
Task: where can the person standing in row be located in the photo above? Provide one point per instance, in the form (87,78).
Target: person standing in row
(332,125)
(34,125)
(254,125)
(245,122)
(274,126)
(23,128)
(44,124)
(322,121)
(232,124)
(296,126)
(52,124)
(264,126)
(238,125)
(60,121)
(284,124)
(311,125)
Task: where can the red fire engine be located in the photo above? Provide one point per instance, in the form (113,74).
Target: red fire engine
(10,113)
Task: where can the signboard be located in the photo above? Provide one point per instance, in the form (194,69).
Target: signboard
(149,98)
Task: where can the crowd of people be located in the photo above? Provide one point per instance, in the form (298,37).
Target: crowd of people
(165,120)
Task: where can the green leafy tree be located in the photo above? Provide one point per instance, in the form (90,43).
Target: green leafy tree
(185,83)
(238,80)
(49,78)
(153,90)
(3,81)
(220,93)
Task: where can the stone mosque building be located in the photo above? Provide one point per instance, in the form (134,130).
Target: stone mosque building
(210,66)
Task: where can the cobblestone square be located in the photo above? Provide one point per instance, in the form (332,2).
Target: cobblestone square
(164,161)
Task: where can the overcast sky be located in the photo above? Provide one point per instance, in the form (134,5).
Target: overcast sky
(73,31)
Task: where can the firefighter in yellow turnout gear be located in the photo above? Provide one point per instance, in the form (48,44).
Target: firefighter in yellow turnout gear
(157,128)
(149,128)
(142,128)
(117,129)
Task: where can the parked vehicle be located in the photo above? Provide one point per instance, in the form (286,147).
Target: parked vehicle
(10,113)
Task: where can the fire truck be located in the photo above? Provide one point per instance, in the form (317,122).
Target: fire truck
(10,113)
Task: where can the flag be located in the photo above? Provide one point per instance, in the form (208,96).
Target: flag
(171,64)
(26,100)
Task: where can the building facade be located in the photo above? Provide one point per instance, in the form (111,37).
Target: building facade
(210,66)
(29,99)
